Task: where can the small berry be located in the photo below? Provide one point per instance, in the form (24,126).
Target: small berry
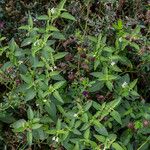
(91,59)
(10,70)
(130,125)
(68,57)
(85,66)
(1,24)
(63,65)
(18,81)
(83,55)
(71,76)
(105,118)
(81,79)
(128,37)
(100,97)
(146,123)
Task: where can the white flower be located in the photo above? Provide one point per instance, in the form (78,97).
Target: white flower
(55,139)
(120,39)
(124,84)
(20,62)
(44,100)
(55,67)
(75,115)
(53,10)
(34,19)
(113,63)
(37,105)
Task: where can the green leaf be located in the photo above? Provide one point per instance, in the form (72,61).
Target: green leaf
(30,94)
(19,52)
(100,128)
(58,35)
(114,103)
(51,110)
(126,61)
(30,113)
(52,131)
(7,118)
(54,73)
(19,123)
(35,120)
(29,138)
(134,93)
(116,68)
(58,125)
(108,49)
(85,117)
(87,134)
(97,74)
(96,105)
(76,146)
(77,132)
(99,40)
(116,116)
(116,146)
(57,77)
(26,78)
(43,17)
(61,4)
(120,24)
(96,64)
(100,138)
(60,55)
(36,126)
(51,28)
(112,137)
(93,144)
(26,27)
(92,38)
(57,96)
(67,15)
(59,84)
(96,86)
(85,126)
(136,46)
(109,85)
(88,105)
(30,21)
(48,49)
(26,42)
(12,45)
(133,83)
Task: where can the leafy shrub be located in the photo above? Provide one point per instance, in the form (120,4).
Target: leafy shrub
(68,95)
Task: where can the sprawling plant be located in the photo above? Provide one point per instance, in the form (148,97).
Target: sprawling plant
(77,98)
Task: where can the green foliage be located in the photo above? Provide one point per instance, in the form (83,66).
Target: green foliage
(74,97)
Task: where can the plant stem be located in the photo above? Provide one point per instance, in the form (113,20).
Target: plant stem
(143,144)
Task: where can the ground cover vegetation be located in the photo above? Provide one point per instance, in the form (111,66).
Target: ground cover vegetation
(74,74)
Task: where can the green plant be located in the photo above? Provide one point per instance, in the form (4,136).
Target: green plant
(74,97)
